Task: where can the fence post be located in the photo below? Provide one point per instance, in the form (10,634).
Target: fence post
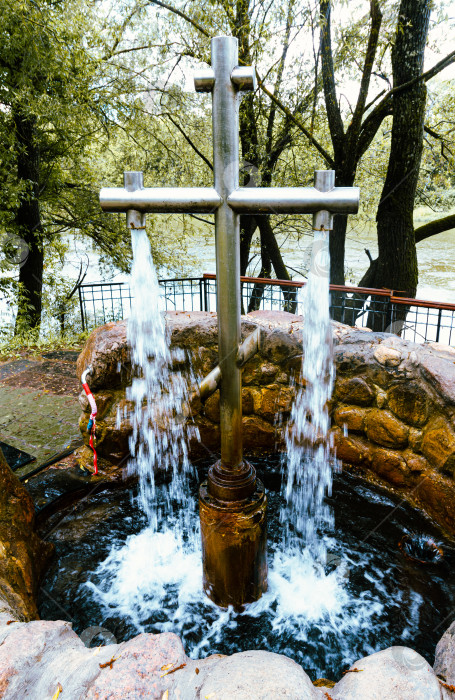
(438,329)
(81,306)
(206,299)
(201,296)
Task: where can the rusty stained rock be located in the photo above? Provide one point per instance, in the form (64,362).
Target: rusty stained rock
(257,372)
(23,555)
(352,449)
(391,466)
(438,445)
(384,429)
(354,390)
(350,416)
(276,401)
(409,402)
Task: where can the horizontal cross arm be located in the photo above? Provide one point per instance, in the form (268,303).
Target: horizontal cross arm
(170,200)
(294,200)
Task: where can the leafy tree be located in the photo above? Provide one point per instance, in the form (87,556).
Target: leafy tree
(55,102)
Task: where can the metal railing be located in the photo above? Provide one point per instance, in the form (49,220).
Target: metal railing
(379,309)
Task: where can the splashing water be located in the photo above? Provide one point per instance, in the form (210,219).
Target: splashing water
(152,580)
(157,396)
(310,456)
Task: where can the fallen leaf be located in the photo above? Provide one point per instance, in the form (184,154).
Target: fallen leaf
(447,686)
(165,695)
(10,622)
(167,667)
(353,670)
(57,692)
(109,663)
(196,670)
(177,668)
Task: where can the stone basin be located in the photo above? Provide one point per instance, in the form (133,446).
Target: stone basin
(393,423)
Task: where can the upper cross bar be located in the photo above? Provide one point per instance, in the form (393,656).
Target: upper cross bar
(243,200)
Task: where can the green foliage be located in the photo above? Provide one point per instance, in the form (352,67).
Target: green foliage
(30,343)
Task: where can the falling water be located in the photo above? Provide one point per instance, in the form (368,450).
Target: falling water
(310,456)
(157,395)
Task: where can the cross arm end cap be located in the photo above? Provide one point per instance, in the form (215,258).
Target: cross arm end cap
(244,77)
(204,80)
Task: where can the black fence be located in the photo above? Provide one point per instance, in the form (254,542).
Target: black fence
(379,309)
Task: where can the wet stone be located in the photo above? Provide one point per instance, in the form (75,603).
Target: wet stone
(351,449)
(438,445)
(415,439)
(383,428)
(350,416)
(409,402)
(279,346)
(212,407)
(275,399)
(390,466)
(354,390)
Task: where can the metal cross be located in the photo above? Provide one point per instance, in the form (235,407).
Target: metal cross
(225,79)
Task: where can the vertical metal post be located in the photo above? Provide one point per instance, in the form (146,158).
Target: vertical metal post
(324,181)
(225,119)
(134,180)
(230,479)
(232,503)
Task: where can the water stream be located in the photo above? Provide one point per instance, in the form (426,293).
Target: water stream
(310,459)
(156,398)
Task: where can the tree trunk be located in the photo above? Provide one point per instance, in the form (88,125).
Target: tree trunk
(258,290)
(28,223)
(397,258)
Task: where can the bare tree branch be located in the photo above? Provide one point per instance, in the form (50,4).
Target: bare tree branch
(192,144)
(434,227)
(327,157)
(184,16)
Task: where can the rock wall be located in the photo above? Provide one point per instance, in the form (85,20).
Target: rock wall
(393,408)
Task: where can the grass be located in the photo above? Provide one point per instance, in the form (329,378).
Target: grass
(30,344)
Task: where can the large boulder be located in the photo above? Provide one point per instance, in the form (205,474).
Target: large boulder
(444,662)
(23,555)
(257,675)
(397,673)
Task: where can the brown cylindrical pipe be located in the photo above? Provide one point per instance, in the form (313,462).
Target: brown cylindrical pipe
(234,547)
